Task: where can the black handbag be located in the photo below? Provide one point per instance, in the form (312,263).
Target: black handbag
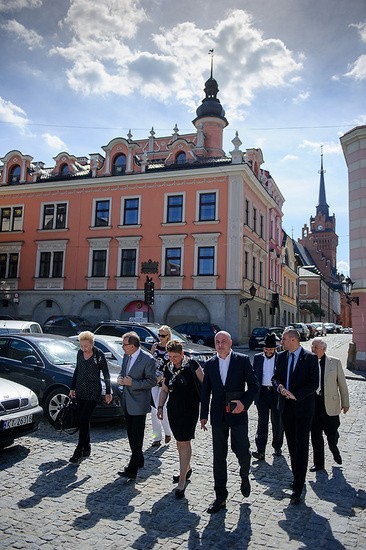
(67,417)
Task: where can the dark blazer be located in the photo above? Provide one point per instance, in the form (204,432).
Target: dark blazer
(305,380)
(258,369)
(138,396)
(240,379)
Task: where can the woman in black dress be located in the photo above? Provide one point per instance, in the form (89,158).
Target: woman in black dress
(86,387)
(182,378)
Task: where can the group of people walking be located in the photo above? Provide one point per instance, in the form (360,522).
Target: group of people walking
(299,391)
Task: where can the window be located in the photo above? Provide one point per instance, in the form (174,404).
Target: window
(64,170)
(255,219)
(99,263)
(119,165)
(254,278)
(206,260)
(9,266)
(173,261)
(131,211)
(128,262)
(181,158)
(174,209)
(51,264)
(14,175)
(261,229)
(11,218)
(246,212)
(207,207)
(246,260)
(102,209)
(261,273)
(54,216)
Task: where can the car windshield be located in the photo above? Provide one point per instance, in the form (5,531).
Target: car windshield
(79,322)
(60,352)
(116,346)
(175,335)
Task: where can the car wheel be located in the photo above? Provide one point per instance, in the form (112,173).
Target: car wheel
(53,403)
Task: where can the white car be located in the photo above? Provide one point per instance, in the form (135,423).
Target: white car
(20,412)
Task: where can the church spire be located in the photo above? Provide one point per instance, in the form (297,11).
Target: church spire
(323,207)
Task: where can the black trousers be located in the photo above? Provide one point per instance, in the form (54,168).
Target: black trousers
(322,422)
(85,411)
(135,425)
(297,430)
(267,405)
(239,446)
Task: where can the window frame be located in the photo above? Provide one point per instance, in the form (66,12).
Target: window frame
(200,206)
(97,201)
(167,208)
(200,258)
(166,259)
(55,216)
(124,210)
(12,218)
(132,261)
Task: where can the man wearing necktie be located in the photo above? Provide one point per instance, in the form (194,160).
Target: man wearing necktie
(331,398)
(296,379)
(136,378)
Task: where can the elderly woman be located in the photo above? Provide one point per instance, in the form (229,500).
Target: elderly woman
(161,357)
(86,388)
(181,383)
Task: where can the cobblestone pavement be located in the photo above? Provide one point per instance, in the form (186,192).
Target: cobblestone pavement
(47,502)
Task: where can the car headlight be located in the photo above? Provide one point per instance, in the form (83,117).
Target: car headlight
(33,399)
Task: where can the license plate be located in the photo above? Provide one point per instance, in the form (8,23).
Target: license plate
(20,421)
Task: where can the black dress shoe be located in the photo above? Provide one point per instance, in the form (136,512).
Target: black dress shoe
(291,485)
(216,506)
(245,487)
(86,452)
(126,474)
(77,456)
(258,455)
(188,475)
(277,452)
(315,468)
(179,493)
(295,499)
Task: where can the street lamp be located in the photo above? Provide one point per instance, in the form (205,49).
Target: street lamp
(252,292)
(347,285)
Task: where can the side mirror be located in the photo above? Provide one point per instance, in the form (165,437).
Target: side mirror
(31,361)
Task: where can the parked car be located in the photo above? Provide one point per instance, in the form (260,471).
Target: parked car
(259,333)
(302,329)
(13,327)
(66,325)
(200,333)
(319,328)
(330,327)
(20,412)
(148,333)
(111,346)
(45,363)
(312,332)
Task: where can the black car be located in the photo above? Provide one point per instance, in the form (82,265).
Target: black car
(45,363)
(148,333)
(20,412)
(259,333)
(201,333)
(66,325)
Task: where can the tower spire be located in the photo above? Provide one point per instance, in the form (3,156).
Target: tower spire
(211,53)
(323,207)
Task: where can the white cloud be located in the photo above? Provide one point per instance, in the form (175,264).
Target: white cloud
(12,114)
(288,158)
(358,69)
(103,61)
(329,148)
(12,5)
(30,37)
(54,142)
(301,97)
(361,27)
(343,267)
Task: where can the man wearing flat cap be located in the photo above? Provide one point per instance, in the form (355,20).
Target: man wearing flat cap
(267,399)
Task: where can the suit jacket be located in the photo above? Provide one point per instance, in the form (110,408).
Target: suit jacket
(138,396)
(240,379)
(335,386)
(305,380)
(258,369)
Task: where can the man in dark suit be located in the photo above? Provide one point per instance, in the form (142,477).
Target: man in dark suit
(296,378)
(267,399)
(230,380)
(136,379)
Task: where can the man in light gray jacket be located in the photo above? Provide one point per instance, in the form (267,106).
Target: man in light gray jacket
(136,379)
(330,399)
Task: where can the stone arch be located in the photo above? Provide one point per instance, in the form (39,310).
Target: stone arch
(185,310)
(94,313)
(41,312)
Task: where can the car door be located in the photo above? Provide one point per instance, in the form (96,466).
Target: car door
(14,367)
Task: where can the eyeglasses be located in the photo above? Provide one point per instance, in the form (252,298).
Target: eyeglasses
(125,344)
(163,335)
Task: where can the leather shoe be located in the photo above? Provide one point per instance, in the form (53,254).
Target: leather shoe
(179,493)
(245,487)
(167,439)
(258,455)
(295,499)
(127,475)
(188,475)
(156,443)
(216,506)
(315,468)
(277,452)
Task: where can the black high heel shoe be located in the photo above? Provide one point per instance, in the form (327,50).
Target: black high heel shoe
(179,493)
(188,475)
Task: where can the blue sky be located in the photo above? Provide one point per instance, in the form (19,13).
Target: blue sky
(292,73)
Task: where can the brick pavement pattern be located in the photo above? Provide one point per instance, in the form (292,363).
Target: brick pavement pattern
(48,503)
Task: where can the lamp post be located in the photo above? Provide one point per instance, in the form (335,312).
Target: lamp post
(347,285)
(252,292)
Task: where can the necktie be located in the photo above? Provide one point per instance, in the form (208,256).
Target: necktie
(291,371)
(128,364)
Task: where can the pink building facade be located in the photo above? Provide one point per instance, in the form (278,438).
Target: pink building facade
(354,150)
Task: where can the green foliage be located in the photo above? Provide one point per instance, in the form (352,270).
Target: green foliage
(313,308)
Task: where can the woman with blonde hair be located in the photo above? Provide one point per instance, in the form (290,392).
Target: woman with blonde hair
(86,388)
(161,357)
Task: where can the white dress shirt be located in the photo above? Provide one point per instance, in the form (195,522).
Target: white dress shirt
(224,367)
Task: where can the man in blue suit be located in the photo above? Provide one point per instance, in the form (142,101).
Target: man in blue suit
(136,379)
(296,378)
(230,381)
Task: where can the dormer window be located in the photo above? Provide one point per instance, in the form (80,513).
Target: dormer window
(180,158)
(64,170)
(119,165)
(14,175)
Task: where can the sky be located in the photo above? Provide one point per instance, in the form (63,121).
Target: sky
(291,74)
